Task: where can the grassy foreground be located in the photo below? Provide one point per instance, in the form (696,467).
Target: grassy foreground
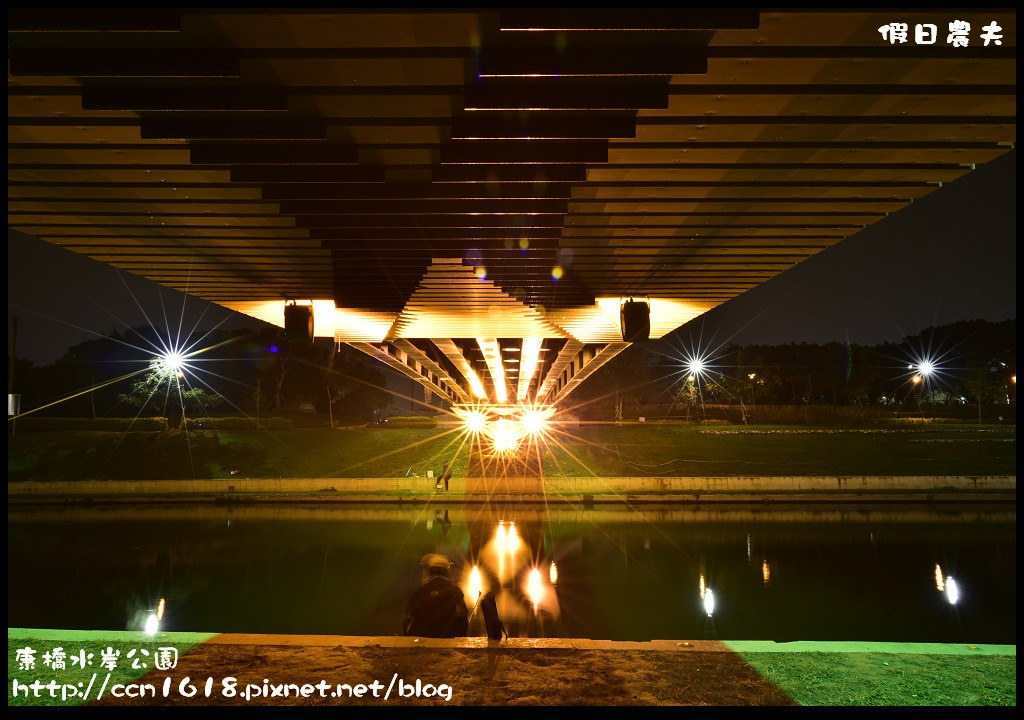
(127,649)
(891,679)
(595,450)
(811,674)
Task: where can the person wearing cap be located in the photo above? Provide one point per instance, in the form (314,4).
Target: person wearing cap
(438,607)
(445,476)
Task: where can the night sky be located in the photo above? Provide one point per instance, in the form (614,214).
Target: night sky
(946,257)
(949,256)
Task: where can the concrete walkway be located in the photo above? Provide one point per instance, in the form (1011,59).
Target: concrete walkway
(574,490)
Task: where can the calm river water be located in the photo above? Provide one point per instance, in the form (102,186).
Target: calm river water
(766,572)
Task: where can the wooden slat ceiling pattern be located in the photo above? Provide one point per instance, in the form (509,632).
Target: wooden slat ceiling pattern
(252,155)
(454,301)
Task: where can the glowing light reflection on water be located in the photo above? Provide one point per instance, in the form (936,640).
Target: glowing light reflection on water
(350,570)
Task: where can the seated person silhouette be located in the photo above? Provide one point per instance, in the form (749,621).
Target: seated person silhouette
(437,608)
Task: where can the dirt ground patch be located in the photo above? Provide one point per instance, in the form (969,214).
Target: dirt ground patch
(476,676)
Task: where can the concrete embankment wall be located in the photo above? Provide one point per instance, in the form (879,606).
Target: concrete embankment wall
(469,488)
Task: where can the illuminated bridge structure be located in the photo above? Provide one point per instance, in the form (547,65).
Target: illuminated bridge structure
(469,196)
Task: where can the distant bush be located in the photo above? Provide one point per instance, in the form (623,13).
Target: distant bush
(238,423)
(145,424)
(411,421)
(925,421)
(707,422)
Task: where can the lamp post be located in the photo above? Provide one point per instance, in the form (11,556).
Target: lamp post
(916,380)
(924,370)
(752,376)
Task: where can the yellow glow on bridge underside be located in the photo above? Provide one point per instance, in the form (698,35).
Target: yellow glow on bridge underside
(666,314)
(343,324)
(476,386)
(528,359)
(590,323)
(492,356)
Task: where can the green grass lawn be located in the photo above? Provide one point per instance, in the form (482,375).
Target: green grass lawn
(600,450)
(127,649)
(890,679)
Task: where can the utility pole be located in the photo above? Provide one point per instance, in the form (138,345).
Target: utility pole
(14,403)
(14,355)
(330,406)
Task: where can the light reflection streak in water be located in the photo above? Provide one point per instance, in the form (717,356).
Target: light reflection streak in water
(952,591)
(709,602)
(534,588)
(474,586)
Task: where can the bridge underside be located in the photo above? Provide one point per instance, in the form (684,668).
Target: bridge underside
(469,196)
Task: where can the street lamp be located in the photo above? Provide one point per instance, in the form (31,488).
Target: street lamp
(752,376)
(915,384)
